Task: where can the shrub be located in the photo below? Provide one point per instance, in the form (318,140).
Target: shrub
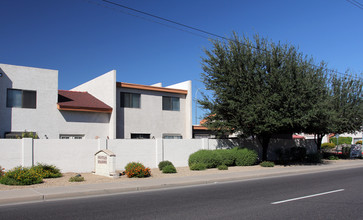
(77,178)
(169,169)
(136,169)
(327,146)
(267,164)
(342,140)
(298,154)
(358,142)
(227,157)
(208,157)
(198,166)
(222,167)
(245,157)
(164,163)
(21,176)
(333,157)
(47,171)
(313,158)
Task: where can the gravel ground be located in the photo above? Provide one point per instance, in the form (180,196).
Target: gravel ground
(155,173)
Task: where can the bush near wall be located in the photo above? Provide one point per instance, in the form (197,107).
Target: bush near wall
(210,158)
(136,169)
(341,140)
(245,157)
(163,164)
(169,169)
(21,176)
(327,146)
(227,156)
(47,171)
(29,175)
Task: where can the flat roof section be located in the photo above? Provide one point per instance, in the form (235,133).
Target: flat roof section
(151,88)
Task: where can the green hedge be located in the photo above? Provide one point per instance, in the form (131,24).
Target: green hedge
(327,146)
(208,157)
(245,157)
(342,140)
(228,157)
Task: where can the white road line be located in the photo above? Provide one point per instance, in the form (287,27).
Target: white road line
(304,197)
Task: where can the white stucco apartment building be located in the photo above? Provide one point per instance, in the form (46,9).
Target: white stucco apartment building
(100,108)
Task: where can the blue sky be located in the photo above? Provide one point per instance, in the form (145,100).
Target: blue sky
(84,39)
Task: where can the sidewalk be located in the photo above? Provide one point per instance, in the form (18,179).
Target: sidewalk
(50,193)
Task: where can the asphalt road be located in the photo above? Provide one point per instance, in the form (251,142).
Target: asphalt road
(325,195)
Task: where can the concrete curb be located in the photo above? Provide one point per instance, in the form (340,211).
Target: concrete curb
(53,193)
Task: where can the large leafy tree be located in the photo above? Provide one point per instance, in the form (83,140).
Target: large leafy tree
(339,109)
(259,88)
(347,104)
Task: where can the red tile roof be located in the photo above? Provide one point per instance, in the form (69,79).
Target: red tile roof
(80,101)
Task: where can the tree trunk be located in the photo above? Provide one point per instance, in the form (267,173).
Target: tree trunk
(265,142)
(318,140)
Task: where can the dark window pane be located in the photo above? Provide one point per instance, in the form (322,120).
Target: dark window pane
(176,104)
(29,99)
(130,100)
(135,100)
(14,98)
(171,103)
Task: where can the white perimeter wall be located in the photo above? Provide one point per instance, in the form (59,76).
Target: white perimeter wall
(78,155)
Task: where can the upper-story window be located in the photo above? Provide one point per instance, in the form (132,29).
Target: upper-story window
(171,103)
(21,98)
(130,100)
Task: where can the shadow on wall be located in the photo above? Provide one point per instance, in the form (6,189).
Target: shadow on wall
(86,117)
(275,145)
(5,112)
(120,119)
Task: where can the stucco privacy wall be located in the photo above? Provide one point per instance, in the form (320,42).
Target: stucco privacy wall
(11,153)
(104,89)
(78,155)
(45,83)
(133,150)
(67,154)
(178,151)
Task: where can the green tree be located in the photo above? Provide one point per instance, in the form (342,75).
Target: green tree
(338,110)
(347,104)
(259,88)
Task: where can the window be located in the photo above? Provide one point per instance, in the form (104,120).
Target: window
(140,136)
(70,136)
(130,100)
(172,136)
(21,98)
(171,103)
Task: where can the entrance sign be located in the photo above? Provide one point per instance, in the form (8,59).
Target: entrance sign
(105,164)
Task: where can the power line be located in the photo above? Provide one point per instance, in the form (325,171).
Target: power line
(356,3)
(197,29)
